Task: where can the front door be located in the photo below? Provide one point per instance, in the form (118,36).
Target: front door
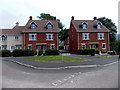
(41,47)
(94,46)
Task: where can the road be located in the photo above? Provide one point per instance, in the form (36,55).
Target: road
(16,76)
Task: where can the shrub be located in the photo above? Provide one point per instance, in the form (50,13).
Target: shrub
(28,52)
(5,53)
(20,52)
(87,51)
(40,52)
(97,52)
(52,52)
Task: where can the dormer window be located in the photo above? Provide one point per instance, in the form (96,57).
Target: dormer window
(3,37)
(49,26)
(84,25)
(98,25)
(33,25)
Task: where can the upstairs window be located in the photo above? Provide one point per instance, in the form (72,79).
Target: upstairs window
(84,25)
(16,37)
(100,36)
(98,25)
(85,36)
(3,37)
(49,26)
(32,37)
(49,36)
(33,25)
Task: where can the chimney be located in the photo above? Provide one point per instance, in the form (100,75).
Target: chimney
(17,24)
(54,18)
(72,18)
(95,18)
(30,18)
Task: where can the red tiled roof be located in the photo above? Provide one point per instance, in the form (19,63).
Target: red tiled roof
(41,26)
(15,30)
(90,25)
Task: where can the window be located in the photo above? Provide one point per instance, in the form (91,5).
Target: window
(52,46)
(85,36)
(49,36)
(12,47)
(3,37)
(32,37)
(103,45)
(16,37)
(49,26)
(100,36)
(98,25)
(83,45)
(18,46)
(84,26)
(0,47)
(4,47)
(33,25)
(30,47)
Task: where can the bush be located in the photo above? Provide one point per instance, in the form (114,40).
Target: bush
(5,53)
(40,52)
(20,52)
(52,52)
(87,51)
(97,52)
(28,52)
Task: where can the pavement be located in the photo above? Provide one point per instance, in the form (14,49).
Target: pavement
(92,61)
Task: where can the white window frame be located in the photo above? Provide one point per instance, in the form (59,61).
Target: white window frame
(52,45)
(32,39)
(103,44)
(100,36)
(83,36)
(83,44)
(49,36)
(16,37)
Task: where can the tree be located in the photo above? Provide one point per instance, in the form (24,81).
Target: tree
(45,16)
(63,34)
(111,26)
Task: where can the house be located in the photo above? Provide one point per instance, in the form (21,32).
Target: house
(35,35)
(40,34)
(88,34)
(11,38)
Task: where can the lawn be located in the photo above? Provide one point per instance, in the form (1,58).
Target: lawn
(105,56)
(55,59)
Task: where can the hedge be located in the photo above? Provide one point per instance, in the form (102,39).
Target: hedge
(87,51)
(20,52)
(52,52)
(5,53)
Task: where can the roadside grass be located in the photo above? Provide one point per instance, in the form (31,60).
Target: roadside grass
(105,56)
(55,59)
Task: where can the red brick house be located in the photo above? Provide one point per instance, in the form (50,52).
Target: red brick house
(88,34)
(40,34)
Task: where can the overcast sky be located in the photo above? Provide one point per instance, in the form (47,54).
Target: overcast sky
(12,11)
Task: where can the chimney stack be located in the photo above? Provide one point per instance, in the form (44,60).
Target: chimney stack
(54,18)
(95,18)
(72,18)
(17,24)
(30,18)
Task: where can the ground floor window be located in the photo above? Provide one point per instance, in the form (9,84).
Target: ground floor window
(83,45)
(52,46)
(18,46)
(12,47)
(103,45)
(4,46)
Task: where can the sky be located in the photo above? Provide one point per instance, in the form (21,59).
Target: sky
(12,11)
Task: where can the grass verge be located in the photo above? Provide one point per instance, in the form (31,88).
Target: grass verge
(105,56)
(55,59)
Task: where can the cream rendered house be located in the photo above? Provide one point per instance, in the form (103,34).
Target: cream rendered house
(11,38)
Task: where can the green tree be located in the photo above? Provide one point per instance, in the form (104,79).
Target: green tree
(63,34)
(111,26)
(45,16)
